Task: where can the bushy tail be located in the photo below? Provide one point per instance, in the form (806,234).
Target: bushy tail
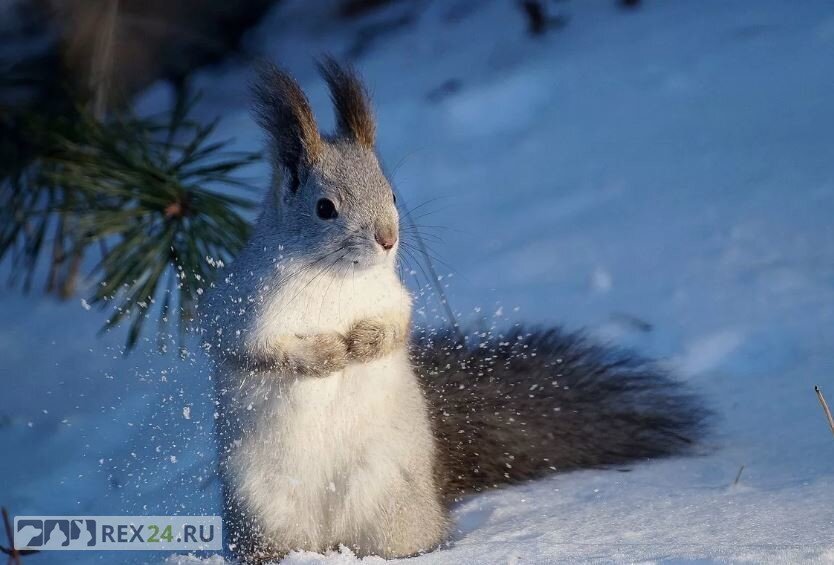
(515,407)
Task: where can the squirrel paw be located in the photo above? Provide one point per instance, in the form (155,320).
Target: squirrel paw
(370,339)
(325,354)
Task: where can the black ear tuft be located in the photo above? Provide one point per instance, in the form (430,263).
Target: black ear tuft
(283,111)
(354,118)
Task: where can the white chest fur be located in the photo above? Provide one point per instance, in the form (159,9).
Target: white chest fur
(330,301)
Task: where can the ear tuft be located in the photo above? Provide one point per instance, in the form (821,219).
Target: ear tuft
(354,118)
(283,111)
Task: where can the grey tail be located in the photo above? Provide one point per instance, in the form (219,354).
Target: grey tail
(513,407)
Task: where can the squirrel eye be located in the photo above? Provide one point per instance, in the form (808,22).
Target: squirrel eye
(326,210)
(394,194)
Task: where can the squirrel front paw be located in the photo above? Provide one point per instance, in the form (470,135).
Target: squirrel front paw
(323,354)
(365,340)
(374,338)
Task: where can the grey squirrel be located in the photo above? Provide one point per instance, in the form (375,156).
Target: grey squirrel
(334,425)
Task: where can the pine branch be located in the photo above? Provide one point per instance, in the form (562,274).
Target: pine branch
(158,194)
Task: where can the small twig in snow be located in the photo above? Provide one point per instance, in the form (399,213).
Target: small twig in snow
(825,408)
(738,475)
(14,554)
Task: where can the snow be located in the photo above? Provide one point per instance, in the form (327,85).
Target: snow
(661,177)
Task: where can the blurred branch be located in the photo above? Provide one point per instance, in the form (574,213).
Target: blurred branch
(117,48)
(538,20)
(102,64)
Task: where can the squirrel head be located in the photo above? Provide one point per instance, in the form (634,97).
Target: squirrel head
(332,202)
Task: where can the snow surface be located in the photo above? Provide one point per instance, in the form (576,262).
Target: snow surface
(661,177)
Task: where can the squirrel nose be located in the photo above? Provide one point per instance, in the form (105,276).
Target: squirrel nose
(386,237)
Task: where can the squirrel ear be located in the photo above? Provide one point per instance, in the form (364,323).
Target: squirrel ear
(354,118)
(283,111)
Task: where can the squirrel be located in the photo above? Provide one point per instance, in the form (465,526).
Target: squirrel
(334,425)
